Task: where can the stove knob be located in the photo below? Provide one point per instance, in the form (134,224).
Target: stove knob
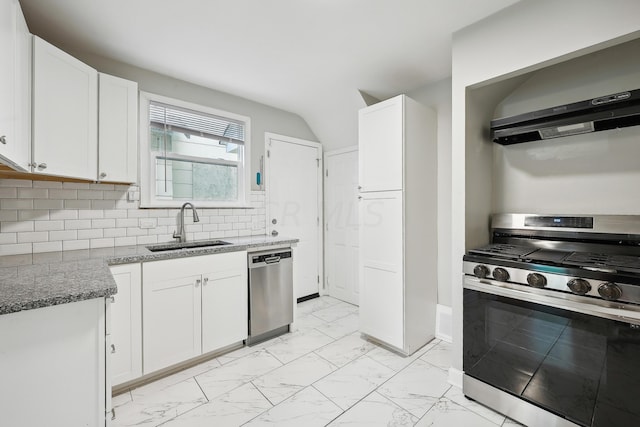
(501,274)
(481,271)
(610,291)
(536,280)
(579,286)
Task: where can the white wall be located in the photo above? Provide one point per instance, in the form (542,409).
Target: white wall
(263,117)
(438,97)
(522,38)
(596,173)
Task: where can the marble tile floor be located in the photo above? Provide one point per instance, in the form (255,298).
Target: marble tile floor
(323,374)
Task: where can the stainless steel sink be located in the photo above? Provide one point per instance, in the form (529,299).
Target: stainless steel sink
(186,245)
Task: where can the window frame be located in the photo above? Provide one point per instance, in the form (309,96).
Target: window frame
(147,169)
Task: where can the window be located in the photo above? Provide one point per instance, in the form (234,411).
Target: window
(192,153)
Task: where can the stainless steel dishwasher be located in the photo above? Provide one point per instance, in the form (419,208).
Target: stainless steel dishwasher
(270,294)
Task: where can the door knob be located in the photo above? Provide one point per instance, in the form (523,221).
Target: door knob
(42,166)
(274,233)
(103,175)
(3,139)
(274,221)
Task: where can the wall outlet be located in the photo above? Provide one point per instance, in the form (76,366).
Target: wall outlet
(147,223)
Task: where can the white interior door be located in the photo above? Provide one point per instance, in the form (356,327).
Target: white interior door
(293,186)
(341,219)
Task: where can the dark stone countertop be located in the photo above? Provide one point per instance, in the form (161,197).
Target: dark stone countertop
(40,280)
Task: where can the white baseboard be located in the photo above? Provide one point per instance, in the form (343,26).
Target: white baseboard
(444,323)
(455,377)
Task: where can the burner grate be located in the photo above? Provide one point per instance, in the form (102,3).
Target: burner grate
(503,250)
(592,259)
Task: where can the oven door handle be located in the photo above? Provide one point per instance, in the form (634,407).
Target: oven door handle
(605,309)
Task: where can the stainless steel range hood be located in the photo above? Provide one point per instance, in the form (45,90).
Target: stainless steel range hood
(606,112)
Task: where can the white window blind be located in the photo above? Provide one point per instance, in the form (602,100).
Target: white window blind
(168,117)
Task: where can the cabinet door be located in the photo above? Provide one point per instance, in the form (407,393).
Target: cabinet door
(381,267)
(171,314)
(117,129)
(224,301)
(380,146)
(15,85)
(126,324)
(65,114)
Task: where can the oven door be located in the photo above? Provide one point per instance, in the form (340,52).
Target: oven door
(540,350)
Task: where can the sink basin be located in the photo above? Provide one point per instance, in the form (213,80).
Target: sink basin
(186,245)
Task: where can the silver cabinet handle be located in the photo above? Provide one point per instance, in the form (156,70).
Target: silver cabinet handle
(113,348)
(198,282)
(103,175)
(3,139)
(206,281)
(274,233)
(113,414)
(359,197)
(42,166)
(359,187)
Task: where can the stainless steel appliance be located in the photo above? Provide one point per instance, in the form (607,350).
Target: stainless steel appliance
(270,294)
(551,320)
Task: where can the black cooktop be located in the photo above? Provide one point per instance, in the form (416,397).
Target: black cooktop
(587,260)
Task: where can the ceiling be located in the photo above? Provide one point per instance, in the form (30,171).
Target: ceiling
(309,57)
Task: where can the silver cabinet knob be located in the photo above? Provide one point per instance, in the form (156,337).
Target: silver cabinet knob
(274,221)
(3,139)
(42,166)
(359,187)
(113,414)
(198,282)
(103,175)
(113,348)
(206,281)
(274,233)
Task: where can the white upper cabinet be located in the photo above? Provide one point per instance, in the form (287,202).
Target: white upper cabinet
(117,129)
(15,86)
(65,116)
(380,144)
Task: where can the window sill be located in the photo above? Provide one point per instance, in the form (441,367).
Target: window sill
(198,205)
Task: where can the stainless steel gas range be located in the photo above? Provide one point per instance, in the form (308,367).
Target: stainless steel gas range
(551,320)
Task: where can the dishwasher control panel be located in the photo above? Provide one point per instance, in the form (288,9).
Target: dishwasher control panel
(271,257)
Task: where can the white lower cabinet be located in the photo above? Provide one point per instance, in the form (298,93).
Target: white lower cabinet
(192,306)
(126,324)
(52,366)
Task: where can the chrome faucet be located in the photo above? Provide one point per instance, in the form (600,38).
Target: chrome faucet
(180,234)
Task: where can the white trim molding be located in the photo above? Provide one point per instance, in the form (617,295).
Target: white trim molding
(444,323)
(455,377)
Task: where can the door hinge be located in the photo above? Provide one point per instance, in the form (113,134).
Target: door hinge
(268,153)
(318,279)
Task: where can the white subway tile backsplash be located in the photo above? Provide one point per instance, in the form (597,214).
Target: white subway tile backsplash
(90,234)
(15,183)
(90,195)
(43,216)
(47,184)
(77,204)
(90,214)
(16,227)
(103,223)
(72,245)
(33,193)
(16,204)
(8,193)
(48,225)
(33,236)
(63,214)
(60,194)
(48,204)
(115,232)
(63,235)
(8,238)
(31,215)
(124,241)
(76,224)
(47,247)
(102,243)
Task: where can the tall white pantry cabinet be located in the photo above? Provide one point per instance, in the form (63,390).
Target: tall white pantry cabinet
(398,223)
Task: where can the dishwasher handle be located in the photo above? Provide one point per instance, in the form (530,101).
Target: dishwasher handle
(272,259)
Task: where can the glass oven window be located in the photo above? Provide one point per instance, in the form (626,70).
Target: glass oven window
(584,368)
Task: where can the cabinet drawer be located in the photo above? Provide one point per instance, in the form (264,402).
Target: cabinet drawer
(179,268)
